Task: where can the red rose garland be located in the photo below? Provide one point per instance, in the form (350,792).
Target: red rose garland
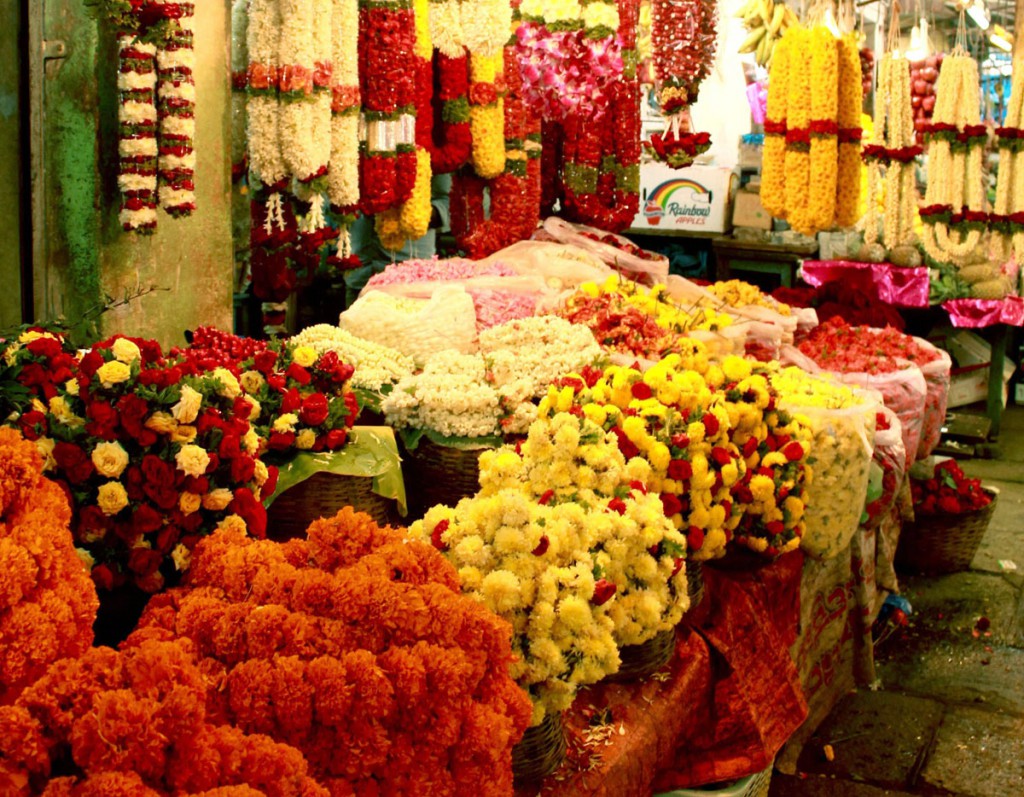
(450,143)
(177,106)
(137,146)
(683,38)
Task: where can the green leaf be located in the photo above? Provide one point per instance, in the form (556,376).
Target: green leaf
(411,438)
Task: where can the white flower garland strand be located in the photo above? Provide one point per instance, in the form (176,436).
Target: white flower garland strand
(137,143)
(298,108)
(343,171)
(266,162)
(1010,180)
(176,90)
(446,33)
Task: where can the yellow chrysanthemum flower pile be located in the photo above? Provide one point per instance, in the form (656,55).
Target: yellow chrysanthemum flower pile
(565,543)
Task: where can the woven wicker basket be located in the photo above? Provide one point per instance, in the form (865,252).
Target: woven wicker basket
(944,543)
(639,661)
(541,750)
(323,495)
(436,474)
(695,583)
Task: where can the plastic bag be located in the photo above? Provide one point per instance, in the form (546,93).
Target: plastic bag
(619,253)
(415,327)
(723,342)
(563,267)
(889,467)
(841,453)
(937,377)
(763,342)
(902,391)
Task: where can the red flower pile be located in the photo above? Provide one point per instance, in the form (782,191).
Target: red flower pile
(677,150)
(948,492)
(47,602)
(356,647)
(838,346)
(135,723)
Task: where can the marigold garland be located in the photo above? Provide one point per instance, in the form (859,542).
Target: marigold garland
(486,113)
(850,100)
(773,169)
(824,145)
(798,118)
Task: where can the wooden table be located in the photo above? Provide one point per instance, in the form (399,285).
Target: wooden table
(782,260)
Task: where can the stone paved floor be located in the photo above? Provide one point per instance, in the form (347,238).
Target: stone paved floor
(949,716)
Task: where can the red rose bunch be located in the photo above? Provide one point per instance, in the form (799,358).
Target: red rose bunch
(135,722)
(356,647)
(152,453)
(47,602)
(36,363)
(948,492)
(677,150)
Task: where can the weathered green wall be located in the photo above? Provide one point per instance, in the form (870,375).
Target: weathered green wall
(88,255)
(10,252)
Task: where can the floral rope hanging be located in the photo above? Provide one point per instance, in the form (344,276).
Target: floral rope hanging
(953,214)
(773,168)
(824,130)
(1007,220)
(137,142)
(798,139)
(487,113)
(176,92)
(848,179)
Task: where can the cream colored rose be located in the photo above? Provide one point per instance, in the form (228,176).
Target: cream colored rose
(255,408)
(192,460)
(71,386)
(305,439)
(30,335)
(251,441)
(112,498)
(113,373)
(260,474)
(110,459)
(189,503)
(187,408)
(125,351)
(233,523)
(229,385)
(45,445)
(161,423)
(183,433)
(252,381)
(38,406)
(182,557)
(304,356)
(286,423)
(218,500)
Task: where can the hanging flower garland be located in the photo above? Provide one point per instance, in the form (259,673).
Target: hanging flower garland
(514,194)
(176,90)
(451,142)
(848,111)
(137,143)
(487,113)
(773,159)
(446,34)
(411,220)
(893,146)
(824,129)
(798,138)
(954,216)
(683,37)
(266,162)
(1007,220)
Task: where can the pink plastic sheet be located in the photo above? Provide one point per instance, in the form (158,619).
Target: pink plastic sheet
(975,313)
(902,287)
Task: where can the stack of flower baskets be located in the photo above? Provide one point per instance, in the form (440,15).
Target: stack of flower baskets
(842,422)
(462,404)
(890,362)
(952,513)
(565,543)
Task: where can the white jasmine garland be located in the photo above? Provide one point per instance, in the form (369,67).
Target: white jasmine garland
(137,147)
(375,366)
(263,38)
(297,50)
(343,171)
(176,89)
(445,20)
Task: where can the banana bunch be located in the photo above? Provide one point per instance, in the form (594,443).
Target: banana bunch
(765,21)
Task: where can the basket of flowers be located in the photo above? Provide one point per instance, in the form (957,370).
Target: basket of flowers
(952,514)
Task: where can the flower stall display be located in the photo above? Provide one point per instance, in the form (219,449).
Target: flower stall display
(615,251)
(565,542)
(48,603)
(347,645)
(842,422)
(948,491)
(954,203)
(911,374)
(491,393)
(137,722)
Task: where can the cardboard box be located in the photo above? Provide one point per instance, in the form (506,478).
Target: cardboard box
(695,199)
(969,385)
(841,245)
(747,211)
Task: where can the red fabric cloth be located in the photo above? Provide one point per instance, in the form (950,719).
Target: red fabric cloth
(729,699)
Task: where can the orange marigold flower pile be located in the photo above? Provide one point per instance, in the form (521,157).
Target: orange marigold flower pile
(47,600)
(356,647)
(135,723)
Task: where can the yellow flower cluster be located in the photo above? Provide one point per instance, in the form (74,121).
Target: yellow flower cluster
(657,303)
(737,293)
(563,542)
(824,160)
(487,122)
(773,158)
(842,424)
(849,180)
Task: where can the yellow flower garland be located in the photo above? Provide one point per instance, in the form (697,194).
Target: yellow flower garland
(798,117)
(848,182)
(824,154)
(773,158)
(487,122)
